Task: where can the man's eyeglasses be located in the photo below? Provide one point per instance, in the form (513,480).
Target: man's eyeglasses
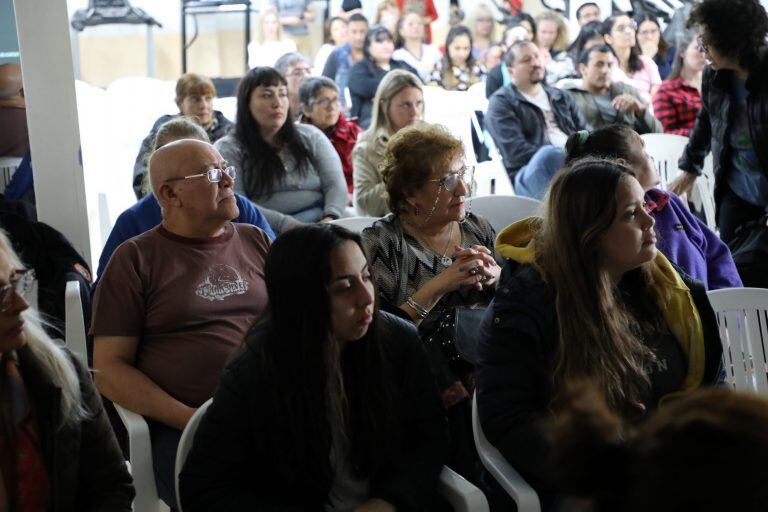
(20,282)
(327,102)
(213,175)
(451,181)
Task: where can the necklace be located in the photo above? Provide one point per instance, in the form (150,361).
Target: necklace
(444,259)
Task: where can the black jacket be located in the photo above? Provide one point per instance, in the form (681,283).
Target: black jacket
(86,468)
(231,466)
(518,127)
(715,120)
(364,79)
(517,349)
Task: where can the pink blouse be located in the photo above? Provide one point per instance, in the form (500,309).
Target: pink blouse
(642,80)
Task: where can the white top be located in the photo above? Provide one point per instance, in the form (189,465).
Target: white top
(430,56)
(556,136)
(322,55)
(267,53)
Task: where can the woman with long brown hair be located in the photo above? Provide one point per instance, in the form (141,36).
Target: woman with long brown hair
(586,296)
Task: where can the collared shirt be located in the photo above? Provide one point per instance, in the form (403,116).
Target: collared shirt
(676,104)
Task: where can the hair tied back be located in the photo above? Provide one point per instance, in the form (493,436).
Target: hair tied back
(583,136)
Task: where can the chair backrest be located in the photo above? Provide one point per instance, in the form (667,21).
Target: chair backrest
(8,166)
(703,197)
(356,224)
(74,322)
(742,318)
(510,480)
(454,111)
(501,211)
(491,178)
(666,149)
(185,444)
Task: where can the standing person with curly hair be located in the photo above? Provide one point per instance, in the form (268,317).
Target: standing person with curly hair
(733,120)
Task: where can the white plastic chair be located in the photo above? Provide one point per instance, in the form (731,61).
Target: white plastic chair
(356,224)
(141,466)
(501,211)
(666,149)
(8,166)
(702,197)
(742,318)
(227,106)
(462,495)
(491,178)
(453,110)
(510,480)
(74,323)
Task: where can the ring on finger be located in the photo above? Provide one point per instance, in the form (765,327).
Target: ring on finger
(483,278)
(473,271)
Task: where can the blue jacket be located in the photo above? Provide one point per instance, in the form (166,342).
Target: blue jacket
(146,214)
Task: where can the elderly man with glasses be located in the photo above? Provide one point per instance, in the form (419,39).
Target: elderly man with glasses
(174,302)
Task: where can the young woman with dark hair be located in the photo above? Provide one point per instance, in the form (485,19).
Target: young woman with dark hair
(652,43)
(682,237)
(290,170)
(639,71)
(364,77)
(586,296)
(458,70)
(330,405)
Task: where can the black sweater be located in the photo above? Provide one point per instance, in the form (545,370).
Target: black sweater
(231,466)
(517,348)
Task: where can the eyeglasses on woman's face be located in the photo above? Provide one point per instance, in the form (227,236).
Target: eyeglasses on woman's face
(450,181)
(213,175)
(21,283)
(327,103)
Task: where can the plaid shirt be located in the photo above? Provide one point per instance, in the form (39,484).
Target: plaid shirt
(676,105)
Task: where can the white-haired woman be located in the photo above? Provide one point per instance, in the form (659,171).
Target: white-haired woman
(399,102)
(57,449)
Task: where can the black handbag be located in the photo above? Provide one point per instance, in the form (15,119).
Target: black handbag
(456,333)
(749,248)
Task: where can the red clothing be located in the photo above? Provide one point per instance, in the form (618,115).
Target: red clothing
(343,138)
(676,104)
(424,7)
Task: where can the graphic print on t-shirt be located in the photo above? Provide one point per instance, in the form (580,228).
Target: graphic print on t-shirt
(222,281)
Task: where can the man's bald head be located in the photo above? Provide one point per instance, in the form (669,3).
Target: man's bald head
(179,158)
(10,81)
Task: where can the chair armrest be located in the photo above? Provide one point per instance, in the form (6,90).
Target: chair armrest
(460,493)
(140,454)
(508,478)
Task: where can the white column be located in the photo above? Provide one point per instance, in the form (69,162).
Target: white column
(49,87)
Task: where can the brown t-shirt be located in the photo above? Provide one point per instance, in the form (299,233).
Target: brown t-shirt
(14,139)
(189,301)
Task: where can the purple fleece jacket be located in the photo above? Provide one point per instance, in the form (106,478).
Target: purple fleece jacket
(689,243)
